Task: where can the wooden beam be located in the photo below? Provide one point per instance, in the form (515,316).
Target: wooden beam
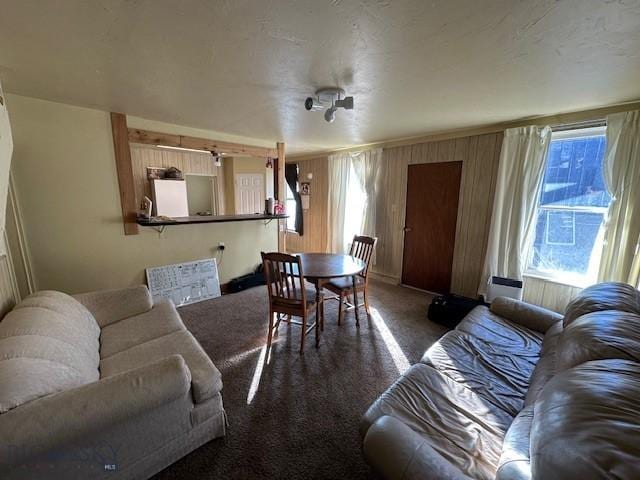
(125,172)
(137,135)
(282,224)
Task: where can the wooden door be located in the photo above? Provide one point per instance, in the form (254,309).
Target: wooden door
(430,225)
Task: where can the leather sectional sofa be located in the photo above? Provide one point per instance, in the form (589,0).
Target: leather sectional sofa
(518,392)
(103,385)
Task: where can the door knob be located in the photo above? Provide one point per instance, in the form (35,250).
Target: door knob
(407,229)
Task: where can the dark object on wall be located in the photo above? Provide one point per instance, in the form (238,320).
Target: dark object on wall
(174,173)
(250,280)
(450,309)
(291,176)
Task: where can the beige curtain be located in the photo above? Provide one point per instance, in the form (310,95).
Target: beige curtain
(366,166)
(513,221)
(338,166)
(6,150)
(620,258)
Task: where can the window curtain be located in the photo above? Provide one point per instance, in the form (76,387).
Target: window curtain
(6,150)
(366,166)
(291,176)
(520,174)
(339,166)
(620,257)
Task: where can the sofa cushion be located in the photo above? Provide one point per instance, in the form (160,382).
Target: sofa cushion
(460,425)
(546,366)
(531,316)
(515,461)
(48,343)
(494,371)
(603,296)
(586,421)
(599,335)
(491,328)
(65,305)
(206,380)
(161,320)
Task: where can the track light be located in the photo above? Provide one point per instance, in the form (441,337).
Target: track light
(330,114)
(330,99)
(217,158)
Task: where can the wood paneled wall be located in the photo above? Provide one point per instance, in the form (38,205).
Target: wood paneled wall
(315,218)
(479,156)
(143,156)
(548,294)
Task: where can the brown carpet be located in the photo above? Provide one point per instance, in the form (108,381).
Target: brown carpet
(303,420)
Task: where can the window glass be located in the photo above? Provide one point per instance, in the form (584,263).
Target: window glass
(571,208)
(290,209)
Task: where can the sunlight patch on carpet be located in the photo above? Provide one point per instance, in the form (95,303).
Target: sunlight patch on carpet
(257,374)
(397,355)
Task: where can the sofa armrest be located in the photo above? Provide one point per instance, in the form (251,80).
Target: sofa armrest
(109,306)
(530,316)
(397,452)
(83,413)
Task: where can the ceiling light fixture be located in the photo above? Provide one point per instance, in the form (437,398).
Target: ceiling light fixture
(330,99)
(217,158)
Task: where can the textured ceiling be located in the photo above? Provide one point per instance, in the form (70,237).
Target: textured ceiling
(245,67)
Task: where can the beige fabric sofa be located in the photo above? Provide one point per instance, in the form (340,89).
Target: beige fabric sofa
(103,385)
(516,392)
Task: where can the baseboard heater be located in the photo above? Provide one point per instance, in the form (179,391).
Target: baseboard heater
(504,287)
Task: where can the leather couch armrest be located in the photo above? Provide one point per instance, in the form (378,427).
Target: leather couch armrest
(397,452)
(530,316)
(109,306)
(84,412)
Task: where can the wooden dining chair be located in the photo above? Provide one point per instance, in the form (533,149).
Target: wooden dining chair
(362,248)
(288,296)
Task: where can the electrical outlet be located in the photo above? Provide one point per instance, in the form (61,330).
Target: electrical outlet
(221,246)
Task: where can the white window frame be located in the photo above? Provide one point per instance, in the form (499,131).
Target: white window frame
(564,278)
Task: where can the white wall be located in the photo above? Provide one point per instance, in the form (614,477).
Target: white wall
(67,189)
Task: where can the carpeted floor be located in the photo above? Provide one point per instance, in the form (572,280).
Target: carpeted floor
(300,419)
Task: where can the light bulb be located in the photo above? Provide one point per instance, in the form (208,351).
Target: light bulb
(330,114)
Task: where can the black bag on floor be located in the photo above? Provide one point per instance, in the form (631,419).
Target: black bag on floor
(450,309)
(247,281)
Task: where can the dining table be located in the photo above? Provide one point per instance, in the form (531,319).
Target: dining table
(319,268)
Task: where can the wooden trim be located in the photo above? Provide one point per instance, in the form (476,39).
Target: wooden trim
(282,244)
(125,172)
(137,135)
(557,119)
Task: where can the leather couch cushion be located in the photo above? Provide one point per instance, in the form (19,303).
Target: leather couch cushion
(525,314)
(497,372)
(586,421)
(48,343)
(515,462)
(161,320)
(546,366)
(599,335)
(206,380)
(603,296)
(461,426)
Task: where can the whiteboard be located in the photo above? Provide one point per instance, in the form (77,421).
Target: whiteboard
(185,283)
(170,198)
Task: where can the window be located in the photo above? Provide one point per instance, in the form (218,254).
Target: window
(571,208)
(355,204)
(290,208)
